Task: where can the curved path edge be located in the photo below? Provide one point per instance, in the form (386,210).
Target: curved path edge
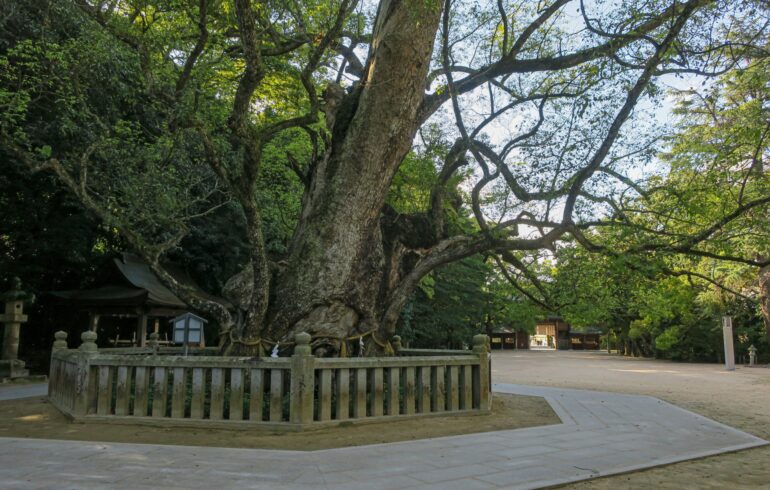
(600,434)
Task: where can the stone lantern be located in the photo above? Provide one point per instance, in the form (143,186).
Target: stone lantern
(10,364)
(752,355)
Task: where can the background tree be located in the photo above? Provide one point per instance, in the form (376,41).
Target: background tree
(719,161)
(698,231)
(666,307)
(158,115)
(594,290)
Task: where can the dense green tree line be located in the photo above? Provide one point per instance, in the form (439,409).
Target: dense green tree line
(437,167)
(652,302)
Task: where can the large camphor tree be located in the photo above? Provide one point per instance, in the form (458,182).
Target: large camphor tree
(158,113)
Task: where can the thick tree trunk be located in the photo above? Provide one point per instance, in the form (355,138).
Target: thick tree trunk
(342,263)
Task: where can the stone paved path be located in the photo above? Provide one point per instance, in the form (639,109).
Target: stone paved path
(11,391)
(602,434)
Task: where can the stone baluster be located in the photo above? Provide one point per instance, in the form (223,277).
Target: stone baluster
(302,380)
(61,341)
(482,383)
(86,389)
(395,342)
(88,342)
(55,385)
(154,343)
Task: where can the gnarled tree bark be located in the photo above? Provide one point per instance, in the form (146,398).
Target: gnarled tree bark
(339,262)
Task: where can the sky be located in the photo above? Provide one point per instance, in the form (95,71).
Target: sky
(656,113)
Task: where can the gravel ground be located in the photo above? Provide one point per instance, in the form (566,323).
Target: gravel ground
(36,418)
(740,398)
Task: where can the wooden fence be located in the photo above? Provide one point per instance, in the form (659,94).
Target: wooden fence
(294,392)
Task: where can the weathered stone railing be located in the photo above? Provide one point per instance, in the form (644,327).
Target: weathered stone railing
(141,386)
(164,351)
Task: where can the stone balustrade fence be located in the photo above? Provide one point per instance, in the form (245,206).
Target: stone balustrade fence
(160,388)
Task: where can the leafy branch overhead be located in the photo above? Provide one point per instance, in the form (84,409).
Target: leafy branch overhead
(358,147)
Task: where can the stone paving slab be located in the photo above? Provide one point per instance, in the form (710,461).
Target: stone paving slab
(601,434)
(12,391)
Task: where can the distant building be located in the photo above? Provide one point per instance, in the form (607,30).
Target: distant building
(552,333)
(131,290)
(509,338)
(588,338)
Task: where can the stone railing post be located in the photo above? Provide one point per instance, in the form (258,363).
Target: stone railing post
(481,382)
(395,342)
(88,342)
(86,389)
(59,344)
(302,381)
(154,343)
(61,341)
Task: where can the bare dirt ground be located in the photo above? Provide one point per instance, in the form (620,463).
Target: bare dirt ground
(35,417)
(740,398)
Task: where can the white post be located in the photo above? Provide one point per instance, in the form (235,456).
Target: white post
(727,331)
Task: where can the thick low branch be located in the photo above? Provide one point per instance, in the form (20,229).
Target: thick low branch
(454,160)
(186,292)
(453,249)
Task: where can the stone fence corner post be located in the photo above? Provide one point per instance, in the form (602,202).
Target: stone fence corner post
(87,388)
(59,344)
(302,380)
(482,384)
